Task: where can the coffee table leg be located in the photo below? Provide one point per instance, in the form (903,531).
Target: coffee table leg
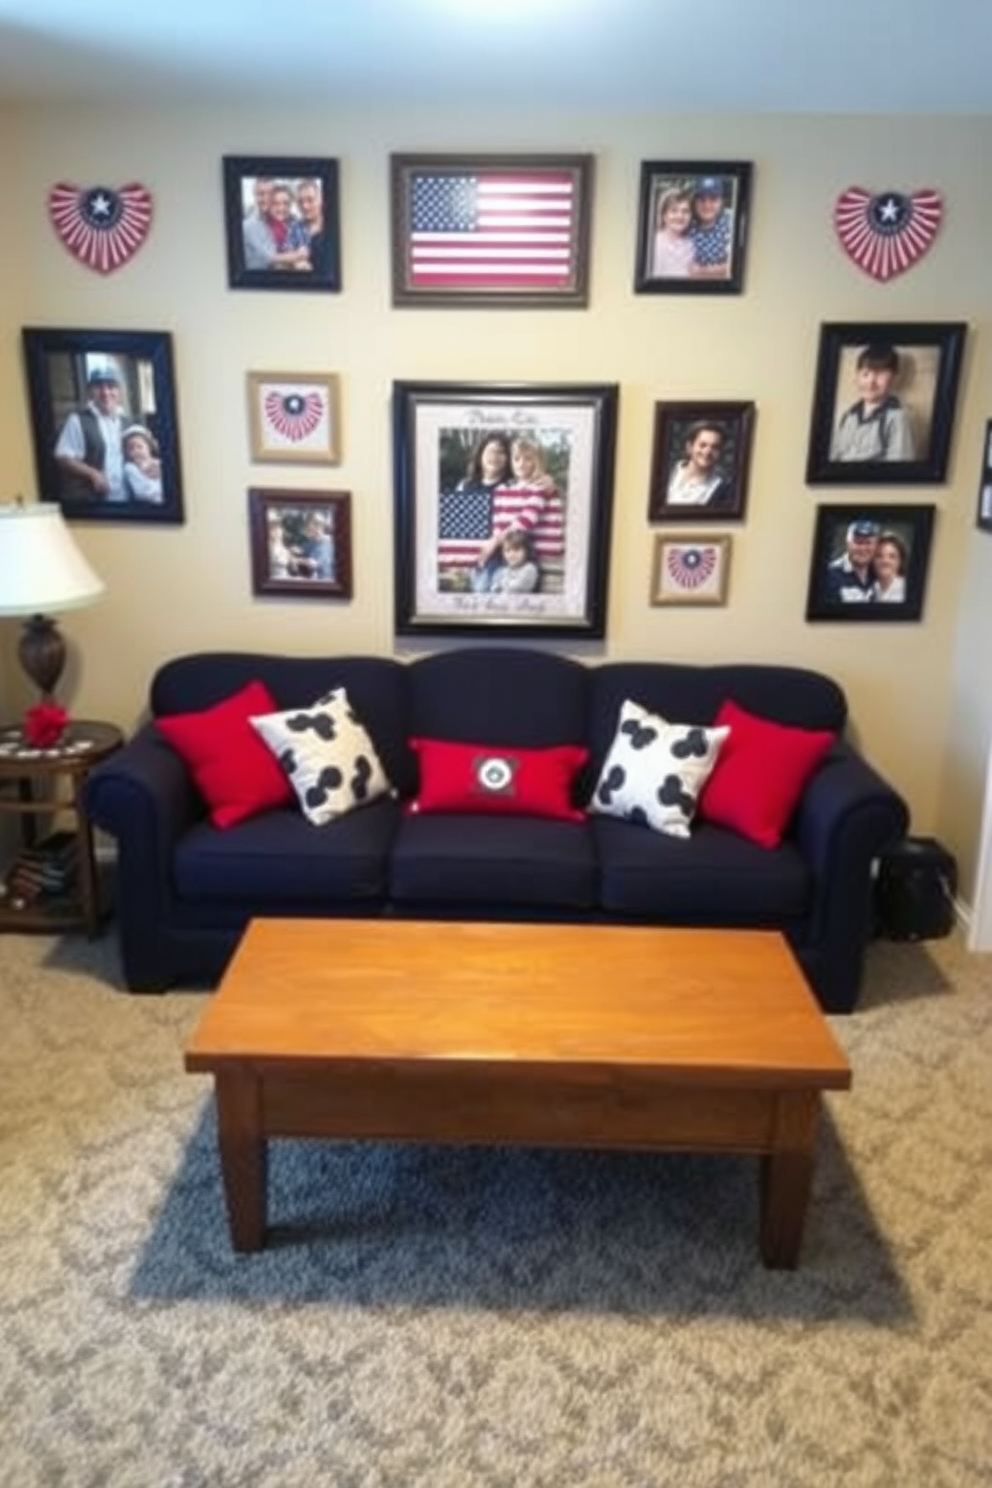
(786,1175)
(243,1156)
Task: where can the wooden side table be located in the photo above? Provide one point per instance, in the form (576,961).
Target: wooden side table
(38,783)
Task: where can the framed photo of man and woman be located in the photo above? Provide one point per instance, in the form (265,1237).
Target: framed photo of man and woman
(983,514)
(300,543)
(884,402)
(103,420)
(700,462)
(692,226)
(282,219)
(503,496)
(869,562)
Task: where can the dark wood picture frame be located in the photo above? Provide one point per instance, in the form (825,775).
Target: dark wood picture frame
(459,485)
(491,230)
(307,262)
(983,507)
(684,442)
(899,540)
(127,376)
(902,435)
(286,560)
(692,226)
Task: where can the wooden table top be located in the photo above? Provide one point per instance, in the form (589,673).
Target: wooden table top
(696,1004)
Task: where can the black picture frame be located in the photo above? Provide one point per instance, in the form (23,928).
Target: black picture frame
(535,251)
(983,506)
(304,179)
(683,430)
(65,369)
(677,193)
(444,517)
(851,593)
(907,440)
(278,528)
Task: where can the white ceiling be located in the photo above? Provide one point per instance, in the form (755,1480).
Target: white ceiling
(871,56)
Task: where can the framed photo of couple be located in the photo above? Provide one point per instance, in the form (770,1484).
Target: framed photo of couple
(869,563)
(692,226)
(983,515)
(300,543)
(282,218)
(503,496)
(884,402)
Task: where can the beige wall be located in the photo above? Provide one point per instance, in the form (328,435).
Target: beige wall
(175,589)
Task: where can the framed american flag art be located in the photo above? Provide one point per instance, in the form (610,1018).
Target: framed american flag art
(293,418)
(503,495)
(491,230)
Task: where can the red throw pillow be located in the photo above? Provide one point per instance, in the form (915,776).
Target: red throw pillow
(499,782)
(235,772)
(760,774)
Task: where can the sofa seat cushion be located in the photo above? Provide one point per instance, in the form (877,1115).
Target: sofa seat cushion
(715,877)
(279,857)
(501,861)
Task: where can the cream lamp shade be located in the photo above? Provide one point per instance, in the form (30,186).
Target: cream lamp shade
(41,569)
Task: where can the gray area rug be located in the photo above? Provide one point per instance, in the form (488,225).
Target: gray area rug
(440,1318)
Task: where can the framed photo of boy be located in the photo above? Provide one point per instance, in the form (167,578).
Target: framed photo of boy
(293,418)
(700,462)
(503,495)
(690,568)
(869,563)
(983,515)
(692,226)
(884,402)
(103,419)
(300,543)
(281,213)
(491,230)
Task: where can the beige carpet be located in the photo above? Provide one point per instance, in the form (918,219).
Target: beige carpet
(486,1319)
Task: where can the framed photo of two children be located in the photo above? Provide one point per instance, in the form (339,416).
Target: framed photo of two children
(692,226)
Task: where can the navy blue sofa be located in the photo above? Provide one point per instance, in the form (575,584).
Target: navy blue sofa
(187,890)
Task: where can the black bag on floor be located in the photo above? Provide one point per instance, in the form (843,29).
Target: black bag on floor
(915,889)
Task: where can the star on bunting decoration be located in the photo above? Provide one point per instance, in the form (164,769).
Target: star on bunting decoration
(888,232)
(101,227)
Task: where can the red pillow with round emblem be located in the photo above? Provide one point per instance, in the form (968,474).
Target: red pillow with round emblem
(495,781)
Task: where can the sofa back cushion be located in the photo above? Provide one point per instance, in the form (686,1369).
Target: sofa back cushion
(377,689)
(694,694)
(497,696)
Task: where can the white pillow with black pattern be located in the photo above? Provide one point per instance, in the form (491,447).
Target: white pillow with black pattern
(655,770)
(327,755)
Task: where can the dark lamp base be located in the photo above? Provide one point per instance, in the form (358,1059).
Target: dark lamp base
(42,653)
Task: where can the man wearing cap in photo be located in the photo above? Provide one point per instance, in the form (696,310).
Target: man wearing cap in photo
(89,449)
(851,577)
(711,230)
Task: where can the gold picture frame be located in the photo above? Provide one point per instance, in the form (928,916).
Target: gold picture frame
(690,568)
(294,418)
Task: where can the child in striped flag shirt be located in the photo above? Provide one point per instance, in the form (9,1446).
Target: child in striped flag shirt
(531,504)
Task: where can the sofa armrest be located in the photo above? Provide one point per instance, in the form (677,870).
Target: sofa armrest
(848,816)
(144,797)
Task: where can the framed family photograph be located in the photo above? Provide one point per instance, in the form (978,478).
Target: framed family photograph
(103,420)
(884,402)
(690,569)
(983,515)
(869,562)
(692,226)
(293,418)
(503,497)
(282,218)
(491,230)
(700,462)
(300,543)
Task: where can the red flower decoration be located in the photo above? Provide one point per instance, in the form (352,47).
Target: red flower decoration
(43,725)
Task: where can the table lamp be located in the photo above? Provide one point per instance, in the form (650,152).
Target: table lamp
(41,569)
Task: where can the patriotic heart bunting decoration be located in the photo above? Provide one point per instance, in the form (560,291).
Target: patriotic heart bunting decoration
(887,232)
(102,227)
(293,415)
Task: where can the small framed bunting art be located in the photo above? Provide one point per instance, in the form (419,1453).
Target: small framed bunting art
(293,418)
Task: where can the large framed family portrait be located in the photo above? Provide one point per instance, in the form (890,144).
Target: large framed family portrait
(103,420)
(282,218)
(869,562)
(700,462)
(692,226)
(884,402)
(503,497)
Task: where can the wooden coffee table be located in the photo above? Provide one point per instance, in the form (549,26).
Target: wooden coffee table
(550,1035)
